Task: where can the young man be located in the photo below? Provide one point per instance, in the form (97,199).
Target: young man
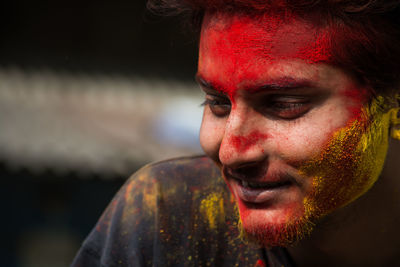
(301,121)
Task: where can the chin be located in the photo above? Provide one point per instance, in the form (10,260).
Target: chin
(274,226)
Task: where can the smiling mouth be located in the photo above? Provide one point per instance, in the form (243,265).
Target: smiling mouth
(259,181)
(256,187)
(260,192)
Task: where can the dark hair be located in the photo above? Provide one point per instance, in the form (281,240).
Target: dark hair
(366,39)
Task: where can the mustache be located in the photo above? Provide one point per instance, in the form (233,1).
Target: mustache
(258,172)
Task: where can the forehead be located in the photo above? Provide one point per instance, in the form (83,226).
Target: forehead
(272,35)
(243,47)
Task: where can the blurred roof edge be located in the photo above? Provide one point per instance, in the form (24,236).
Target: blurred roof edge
(88,124)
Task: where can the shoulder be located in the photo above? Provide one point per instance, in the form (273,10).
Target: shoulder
(194,169)
(176,186)
(163,186)
(176,178)
(176,212)
(144,215)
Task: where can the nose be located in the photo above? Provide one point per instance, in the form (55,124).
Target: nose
(244,138)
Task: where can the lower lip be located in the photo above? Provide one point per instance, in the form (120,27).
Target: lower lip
(259,195)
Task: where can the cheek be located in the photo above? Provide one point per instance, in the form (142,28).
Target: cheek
(307,137)
(211,134)
(349,165)
(302,141)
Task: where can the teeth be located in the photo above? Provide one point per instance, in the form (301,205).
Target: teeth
(253,185)
(258,185)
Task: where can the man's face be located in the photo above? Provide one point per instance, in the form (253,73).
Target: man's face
(290,132)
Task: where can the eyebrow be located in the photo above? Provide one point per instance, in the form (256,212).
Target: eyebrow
(283,83)
(203,83)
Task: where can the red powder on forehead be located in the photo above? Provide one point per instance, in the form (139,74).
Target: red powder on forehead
(318,51)
(244,143)
(272,37)
(237,48)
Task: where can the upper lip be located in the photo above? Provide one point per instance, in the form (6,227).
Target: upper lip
(229,173)
(257,176)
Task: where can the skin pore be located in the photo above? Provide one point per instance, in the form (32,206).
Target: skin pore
(297,139)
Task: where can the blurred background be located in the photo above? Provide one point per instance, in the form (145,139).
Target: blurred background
(90,91)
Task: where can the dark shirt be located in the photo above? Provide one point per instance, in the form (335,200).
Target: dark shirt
(173,213)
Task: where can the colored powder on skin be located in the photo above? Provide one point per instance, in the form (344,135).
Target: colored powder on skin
(348,167)
(243,143)
(240,43)
(212,209)
(357,97)
(318,51)
(351,163)
(281,235)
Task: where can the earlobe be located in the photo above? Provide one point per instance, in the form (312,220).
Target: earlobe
(395,123)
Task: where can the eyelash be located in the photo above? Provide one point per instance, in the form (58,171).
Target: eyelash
(209,102)
(288,110)
(280,105)
(216,103)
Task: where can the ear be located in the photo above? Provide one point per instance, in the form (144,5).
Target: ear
(395,120)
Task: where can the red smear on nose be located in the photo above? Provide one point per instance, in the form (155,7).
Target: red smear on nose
(244,143)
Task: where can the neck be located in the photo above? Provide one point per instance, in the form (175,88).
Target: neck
(365,232)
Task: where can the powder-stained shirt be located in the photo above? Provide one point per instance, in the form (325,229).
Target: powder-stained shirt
(173,213)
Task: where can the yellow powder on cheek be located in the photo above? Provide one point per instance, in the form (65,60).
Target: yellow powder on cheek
(350,164)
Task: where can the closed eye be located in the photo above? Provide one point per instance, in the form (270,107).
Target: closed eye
(218,105)
(287,107)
